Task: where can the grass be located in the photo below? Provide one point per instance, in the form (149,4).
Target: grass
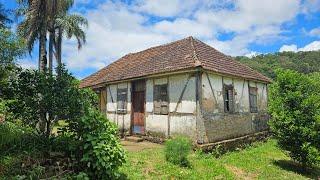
(259,161)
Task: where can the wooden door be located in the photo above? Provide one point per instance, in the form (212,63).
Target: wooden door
(138,107)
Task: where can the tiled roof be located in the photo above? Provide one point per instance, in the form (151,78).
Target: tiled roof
(179,55)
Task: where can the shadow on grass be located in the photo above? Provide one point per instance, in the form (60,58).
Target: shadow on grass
(313,173)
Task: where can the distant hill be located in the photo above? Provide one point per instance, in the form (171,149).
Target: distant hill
(304,62)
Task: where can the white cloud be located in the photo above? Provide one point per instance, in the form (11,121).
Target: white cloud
(252,54)
(248,14)
(116,28)
(313,46)
(113,31)
(315,32)
(291,47)
(184,27)
(166,8)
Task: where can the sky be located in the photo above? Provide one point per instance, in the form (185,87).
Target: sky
(234,27)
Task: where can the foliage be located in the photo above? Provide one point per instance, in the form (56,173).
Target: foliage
(91,139)
(49,17)
(41,97)
(177,150)
(10,48)
(295,110)
(303,62)
(15,137)
(102,151)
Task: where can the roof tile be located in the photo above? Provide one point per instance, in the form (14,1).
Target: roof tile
(182,54)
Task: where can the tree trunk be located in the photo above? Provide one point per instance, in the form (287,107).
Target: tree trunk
(59,47)
(43,39)
(51,39)
(43,58)
(52,34)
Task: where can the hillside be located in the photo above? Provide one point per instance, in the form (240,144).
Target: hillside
(304,62)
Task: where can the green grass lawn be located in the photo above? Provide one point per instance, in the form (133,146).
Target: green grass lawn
(259,161)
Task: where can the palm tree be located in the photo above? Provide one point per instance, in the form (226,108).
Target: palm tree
(70,26)
(42,16)
(62,23)
(34,27)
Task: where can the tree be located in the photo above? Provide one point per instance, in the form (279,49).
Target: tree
(62,23)
(70,26)
(34,27)
(50,16)
(42,99)
(303,62)
(11,47)
(294,104)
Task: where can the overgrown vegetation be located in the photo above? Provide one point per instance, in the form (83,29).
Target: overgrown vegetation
(294,105)
(32,102)
(262,160)
(177,150)
(303,62)
(88,139)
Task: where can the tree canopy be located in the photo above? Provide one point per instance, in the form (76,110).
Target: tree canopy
(303,62)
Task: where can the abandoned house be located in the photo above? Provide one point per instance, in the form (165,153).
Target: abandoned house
(184,87)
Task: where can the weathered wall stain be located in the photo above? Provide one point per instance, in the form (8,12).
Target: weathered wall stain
(183,117)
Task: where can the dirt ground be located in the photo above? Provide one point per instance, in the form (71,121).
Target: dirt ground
(136,147)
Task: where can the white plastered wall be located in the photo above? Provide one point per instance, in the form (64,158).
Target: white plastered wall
(155,123)
(122,120)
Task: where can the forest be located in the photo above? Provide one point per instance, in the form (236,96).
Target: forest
(303,62)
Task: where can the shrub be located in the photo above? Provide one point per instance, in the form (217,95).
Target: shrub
(177,150)
(15,137)
(41,99)
(294,105)
(100,148)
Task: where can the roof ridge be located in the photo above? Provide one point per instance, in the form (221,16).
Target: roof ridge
(197,62)
(157,46)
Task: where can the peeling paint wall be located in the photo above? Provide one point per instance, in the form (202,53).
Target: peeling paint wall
(121,120)
(183,117)
(155,124)
(220,125)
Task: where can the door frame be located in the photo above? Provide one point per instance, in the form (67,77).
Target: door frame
(132,108)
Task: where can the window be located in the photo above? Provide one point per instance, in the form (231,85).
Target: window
(228,98)
(253,99)
(122,101)
(160,99)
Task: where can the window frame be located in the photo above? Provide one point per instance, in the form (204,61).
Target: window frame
(229,107)
(253,109)
(161,98)
(124,108)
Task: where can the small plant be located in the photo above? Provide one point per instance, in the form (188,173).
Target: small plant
(218,151)
(177,150)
